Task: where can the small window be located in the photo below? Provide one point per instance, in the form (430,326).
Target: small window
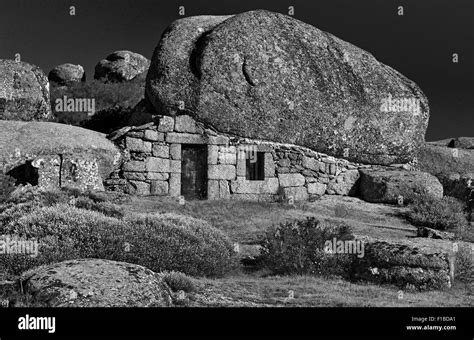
(255,166)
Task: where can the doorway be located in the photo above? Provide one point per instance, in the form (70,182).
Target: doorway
(194,171)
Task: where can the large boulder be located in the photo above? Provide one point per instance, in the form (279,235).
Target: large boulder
(24,92)
(452,162)
(67,73)
(61,154)
(269,76)
(121,66)
(385,186)
(95,283)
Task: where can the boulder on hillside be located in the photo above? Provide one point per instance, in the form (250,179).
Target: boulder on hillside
(385,186)
(52,154)
(121,66)
(452,162)
(24,92)
(67,73)
(95,283)
(269,76)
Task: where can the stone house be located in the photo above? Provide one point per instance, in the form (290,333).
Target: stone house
(178,156)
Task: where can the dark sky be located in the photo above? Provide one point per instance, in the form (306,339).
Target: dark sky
(419,44)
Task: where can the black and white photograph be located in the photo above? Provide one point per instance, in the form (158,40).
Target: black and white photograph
(192,168)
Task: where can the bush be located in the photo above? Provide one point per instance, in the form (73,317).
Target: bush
(7,186)
(159,242)
(106,208)
(174,242)
(464,265)
(297,247)
(178,281)
(441,214)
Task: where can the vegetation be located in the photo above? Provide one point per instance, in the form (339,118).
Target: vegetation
(7,186)
(298,247)
(178,281)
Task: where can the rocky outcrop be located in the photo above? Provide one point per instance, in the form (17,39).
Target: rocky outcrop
(24,92)
(95,283)
(452,162)
(67,73)
(121,66)
(385,186)
(56,154)
(404,266)
(268,76)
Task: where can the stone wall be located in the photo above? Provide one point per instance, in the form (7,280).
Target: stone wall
(152,164)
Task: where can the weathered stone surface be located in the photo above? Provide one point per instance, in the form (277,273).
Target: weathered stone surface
(175,151)
(162,151)
(227,158)
(317,188)
(154,136)
(139,188)
(81,172)
(175,166)
(311,163)
(166,124)
(295,193)
(137,145)
(436,234)
(95,283)
(121,66)
(269,169)
(154,164)
(49,171)
(135,176)
(23,141)
(212,154)
(185,138)
(224,191)
(175,185)
(221,172)
(24,92)
(161,176)
(134,166)
(251,74)
(347,183)
(385,186)
(243,186)
(213,189)
(291,180)
(67,73)
(186,123)
(159,188)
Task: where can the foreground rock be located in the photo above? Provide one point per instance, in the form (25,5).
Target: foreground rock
(381,186)
(121,66)
(95,283)
(265,75)
(67,73)
(52,155)
(24,92)
(403,266)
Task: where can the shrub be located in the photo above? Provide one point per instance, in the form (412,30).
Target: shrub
(178,281)
(297,247)
(441,214)
(106,208)
(7,186)
(159,242)
(464,264)
(182,243)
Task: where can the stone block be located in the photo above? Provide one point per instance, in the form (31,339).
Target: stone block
(175,166)
(154,136)
(175,151)
(224,191)
(241,166)
(213,189)
(311,163)
(48,171)
(159,188)
(137,145)
(185,138)
(218,140)
(161,176)
(269,165)
(297,193)
(159,150)
(212,154)
(186,123)
(139,188)
(317,188)
(291,180)
(244,186)
(134,166)
(227,158)
(166,124)
(175,185)
(154,164)
(221,172)
(135,176)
